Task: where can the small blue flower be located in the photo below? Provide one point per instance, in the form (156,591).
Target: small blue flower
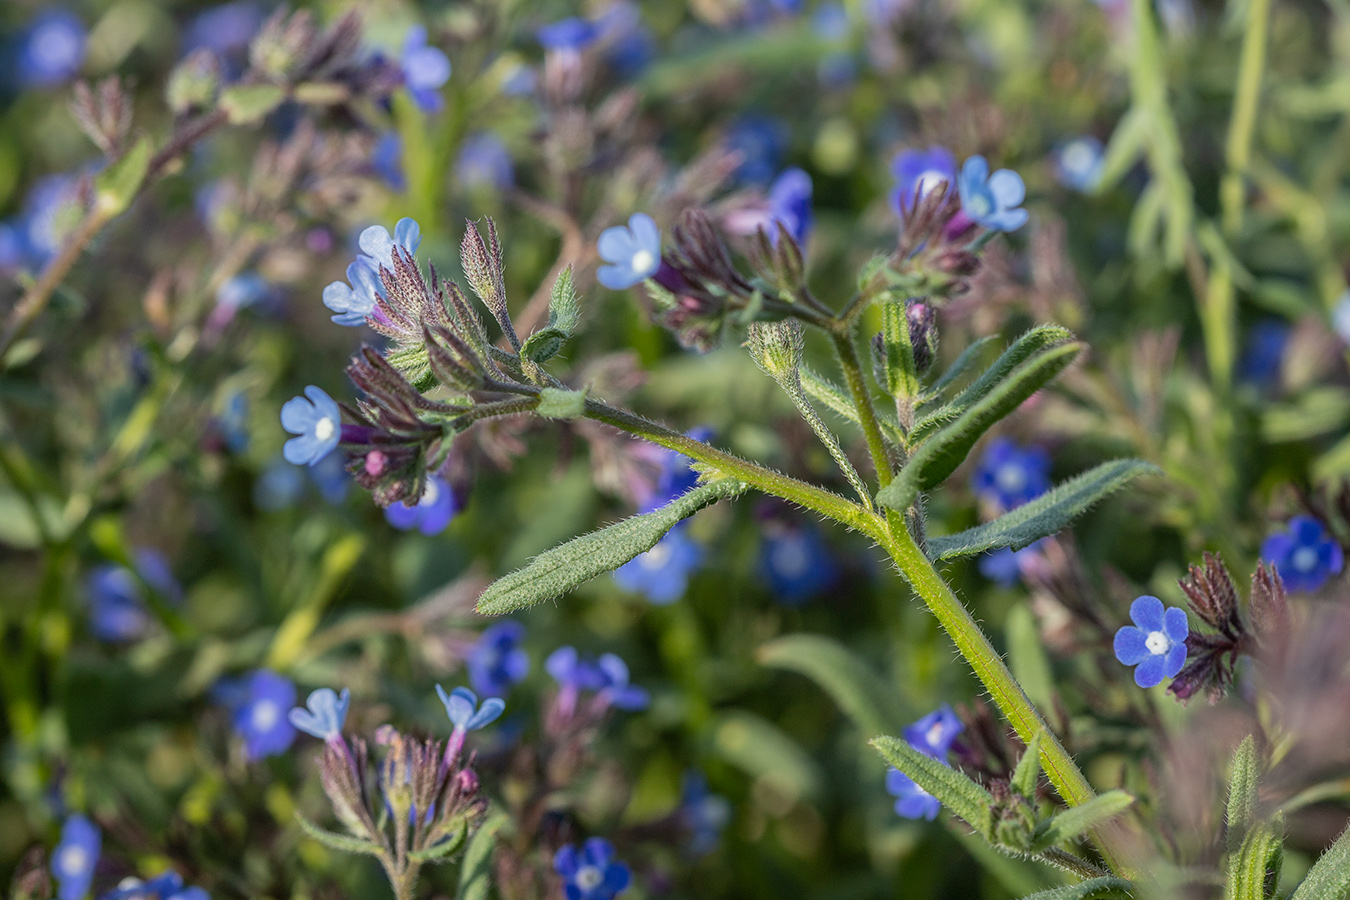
(917,172)
(484,161)
(1009,475)
(168,886)
(259,705)
(75,856)
(426,69)
(496,661)
(116,603)
(279,485)
(633,252)
(331,478)
(244,290)
(1340,316)
(760,141)
(662,573)
(675,475)
(912,801)
(233,421)
(1078,163)
(935,732)
(226,29)
(387,161)
(461,705)
(570,35)
(629,46)
(379,244)
(51,212)
(1156,642)
(702,813)
(1305,555)
(51,49)
(431,514)
(616,687)
(317,421)
(591,873)
(1263,357)
(797,564)
(356,302)
(326,713)
(567,668)
(993,201)
(790,204)
(1006,566)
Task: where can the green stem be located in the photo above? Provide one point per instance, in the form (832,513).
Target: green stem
(792,386)
(862,401)
(1251,67)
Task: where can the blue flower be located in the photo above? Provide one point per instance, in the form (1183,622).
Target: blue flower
(279,485)
(233,422)
(615,685)
(1340,316)
(226,29)
(1078,163)
(591,873)
(51,49)
(431,514)
(244,290)
(330,476)
(317,421)
(1006,566)
(496,661)
(797,564)
(387,161)
(426,69)
(675,476)
(570,35)
(116,603)
(790,204)
(662,573)
(379,243)
(50,212)
(993,201)
(629,46)
(1009,475)
(760,141)
(356,302)
(326,713)
(567,668)
(1263,357)
(484,161)
(1305,555)
(519,80)
(461,705)
(1156,642)
(911,801)
(168,886)
(919,171)
(704,814)
(75,856)
(934,733)
(259,705)
(633,252)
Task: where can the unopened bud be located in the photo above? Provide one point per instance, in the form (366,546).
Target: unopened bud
(194,82)
(923,335)
(777,347)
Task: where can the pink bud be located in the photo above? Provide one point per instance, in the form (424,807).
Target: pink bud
(375,463)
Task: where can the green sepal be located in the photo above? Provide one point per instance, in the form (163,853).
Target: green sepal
(555,403)
(1046,515)
(1107,888)
(1329,877)
(1242,785)
(1254,871)
(475,871)
(343,842)
(544,344)
(1076,821)
(565,568)
(952,788)
(1028,771)
(118,185)
(564,309)
(850,682)
(248,104)
(902,375)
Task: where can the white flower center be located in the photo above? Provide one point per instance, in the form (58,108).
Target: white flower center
(656,557)
(788,558)
(74,860)
(1305,559)
(1157,643)
(979,204)
(642,261)
(928,181)
(324,428)
(589,878)
(264,716)
(934,733)
(1077,158)
(1011,477)
(430,495)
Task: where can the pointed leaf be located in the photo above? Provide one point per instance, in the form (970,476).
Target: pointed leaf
(248,104)
(854,687)
(1048,514)
(443,848)
(837,400)
(475,872)
(560,570)
(1254,871)
(952,788)
(1242,784)
(118,185)
(968,358)
(343,842)
(1108,888)
(1028,770)
(1329,878)
(1079,820)
(563,307)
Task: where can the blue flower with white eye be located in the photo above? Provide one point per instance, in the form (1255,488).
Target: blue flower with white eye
(1305,555)
(662,573)
(168,886)
(790,204)
(591,873)
(75,856)
(702,813)
(1009,475)
(570,35)
(935,732)
(797,564)
(317,421)
(431,514)
(259,705)
(1155,643)
(324,713)
(426,69)
(51,212)
(461,705)
(992,200)
(911,801)
(1078,163)
(917,172)
(633,252)
(51,49)
(484,162)
(616,687)
(497,662)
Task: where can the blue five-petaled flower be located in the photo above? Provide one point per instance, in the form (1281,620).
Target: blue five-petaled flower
(662,573)
(431,514)
(1305,555)
(1155,643)
(74,858)
(497,661)
(325,715)
(633,252)
(52,49)
(911,801)
(461,705)
(354,303)
(1078,163)
(933,736)
(992,200)
(790,205)
(1009,475)
(258,705)
(317,422)
(917,172)
(591,873)
(426,69)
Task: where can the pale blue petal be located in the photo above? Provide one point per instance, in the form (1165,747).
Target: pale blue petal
(1147,613)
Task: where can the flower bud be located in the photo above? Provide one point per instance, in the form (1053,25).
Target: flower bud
(777,347)
(923,335)
(194,82)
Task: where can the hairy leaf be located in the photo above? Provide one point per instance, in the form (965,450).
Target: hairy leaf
(1028,770)
(1078,820)
(1242,784)
(443,848)
(1329,877)
(1108,888)
(118,185)
(1254,870)
(856,689)
(343,842)
(968,358)
(952,788)
(475,872)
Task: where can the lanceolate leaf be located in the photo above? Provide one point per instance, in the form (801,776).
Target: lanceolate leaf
(1329,878)
(957,792)
(848,680)
(968,358)
(555,572)
(1078,820)
(1242,792)
(346,843)
(447,845)
(475,872)
(1044,516)
(1028,770)
(1109,888)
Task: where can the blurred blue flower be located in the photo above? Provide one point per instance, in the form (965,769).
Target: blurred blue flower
(1008,475)
(233,422)
(633,252)
(702,813)
(11,247)
(496,661)
(74,858)
(934,733)
(317,421)
(662,573)
(591,873)
(1006,566)
(569,670)
(259,705)
(884,12)
(992,200)
(331,478)
(484,161)
(1156,642)
(226,29)
(50,212)
(461,705)
(431,514)
(760,141)
(790,204)
(570,35)
(911,801)
(797,564)
(519,81)
(279,485)
(1340,316)
(51,49)
(116,603)
(675,476)
(325,714)
(1078,163)
(244,290)
(615,685)
(426,69)
(168,886)
(917,172)
(629,45)
(1263,357)
(1305,554)
(387,160)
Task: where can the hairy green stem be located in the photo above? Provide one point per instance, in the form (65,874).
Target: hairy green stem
(862,401)
(792,386)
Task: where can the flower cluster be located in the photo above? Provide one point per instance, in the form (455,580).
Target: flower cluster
(932,735)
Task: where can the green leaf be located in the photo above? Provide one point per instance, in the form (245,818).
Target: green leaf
(1329,878)
(837,400)
(1046,515)
(1242,783)
(759,748)
(953,789)
(562,569)
(1254,871)
(248,104)
(555,403)
(564,309)
(962,363)
(1078,820)
(939,455)
(118,185)
(902,375)
(1028,770)
(1108,888)
(1027,657)
(475,872)
(544,344)
(343,842)
(850,682)
(438,851)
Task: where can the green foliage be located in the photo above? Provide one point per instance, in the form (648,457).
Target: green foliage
(1329,878)
(1028,771)
(335,841)
(955,790)
(1242,784)
(1106,888)
(119,184)
(249,104)
(859,692)
(1254,870)
(1076,821)
(475,870)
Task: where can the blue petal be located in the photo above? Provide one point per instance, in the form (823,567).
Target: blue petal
(617,278)
(297,415)
(1130,645)
(408,234)
(1007,188)
(597,852)
(1175,625)
(975,170)
(1147,613)
(565,861)
(1176,658)
(488,713)
(1150,671)
(300,450)
(616,244)
(376,241)
(645,232)
(459,704)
